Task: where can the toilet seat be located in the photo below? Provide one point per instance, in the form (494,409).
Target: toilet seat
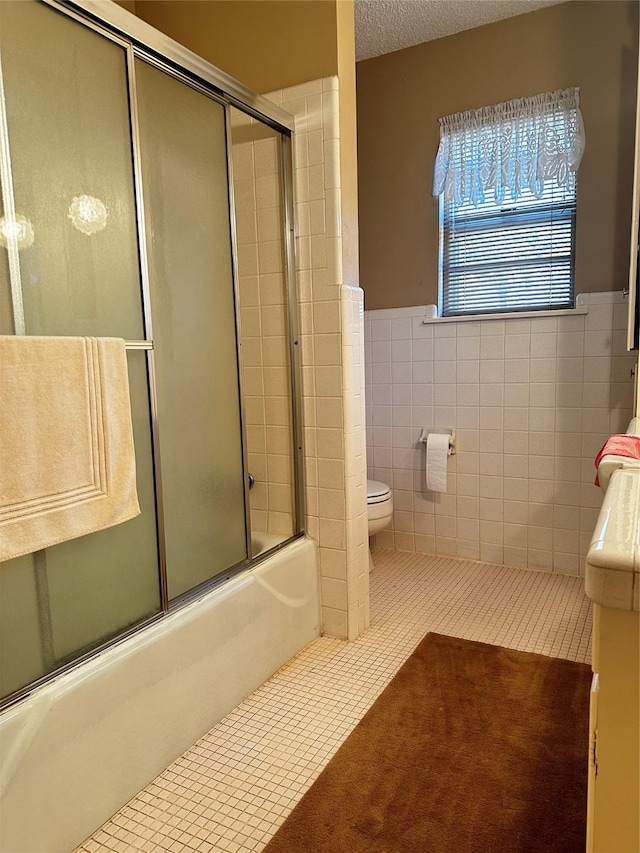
(379,509)
(377,492)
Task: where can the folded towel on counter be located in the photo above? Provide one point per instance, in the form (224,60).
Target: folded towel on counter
(67,465)
(618,445)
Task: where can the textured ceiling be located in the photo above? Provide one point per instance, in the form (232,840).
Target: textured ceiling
(383,26)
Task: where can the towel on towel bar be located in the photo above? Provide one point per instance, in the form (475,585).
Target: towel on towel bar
(67,465)
(618,445)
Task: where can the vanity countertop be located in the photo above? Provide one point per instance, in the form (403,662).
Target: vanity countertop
(612,576)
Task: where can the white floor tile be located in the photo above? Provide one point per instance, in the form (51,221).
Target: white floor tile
(231,791)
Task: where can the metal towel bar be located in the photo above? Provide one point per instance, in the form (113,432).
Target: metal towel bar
(138,344)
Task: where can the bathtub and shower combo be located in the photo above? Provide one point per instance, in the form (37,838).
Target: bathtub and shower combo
(147,196)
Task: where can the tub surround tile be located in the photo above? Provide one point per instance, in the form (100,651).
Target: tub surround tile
(332,353)
(263,321)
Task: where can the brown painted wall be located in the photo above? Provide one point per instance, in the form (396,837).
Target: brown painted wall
(400,97)
(129,5)
(348,146)
(266,44)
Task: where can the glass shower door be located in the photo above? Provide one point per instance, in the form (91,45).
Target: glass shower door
(70,180)
(115,220)
(186,197)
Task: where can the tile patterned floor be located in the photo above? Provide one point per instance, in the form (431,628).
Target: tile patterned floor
(233,788)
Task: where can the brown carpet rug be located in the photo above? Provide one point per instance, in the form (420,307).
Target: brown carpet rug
(470,749)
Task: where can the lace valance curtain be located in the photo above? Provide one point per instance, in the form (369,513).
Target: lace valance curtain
(510,147)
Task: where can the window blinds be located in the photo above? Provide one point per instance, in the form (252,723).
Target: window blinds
(511,258)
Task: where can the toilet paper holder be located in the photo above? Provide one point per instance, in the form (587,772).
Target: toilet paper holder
(427,431)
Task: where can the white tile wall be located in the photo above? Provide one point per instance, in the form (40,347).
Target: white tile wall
(353,383)
(532,401)
(332,356)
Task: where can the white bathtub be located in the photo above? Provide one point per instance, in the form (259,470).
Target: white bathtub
(81,746)
(261,542)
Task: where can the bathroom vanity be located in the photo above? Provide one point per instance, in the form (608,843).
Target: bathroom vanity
(612,581)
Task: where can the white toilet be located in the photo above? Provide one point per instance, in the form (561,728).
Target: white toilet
(379,508)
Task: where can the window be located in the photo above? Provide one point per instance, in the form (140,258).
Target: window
(506,177)
(512,257)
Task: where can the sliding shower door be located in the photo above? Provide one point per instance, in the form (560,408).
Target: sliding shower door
(116,220)
(73,248)
(186,199)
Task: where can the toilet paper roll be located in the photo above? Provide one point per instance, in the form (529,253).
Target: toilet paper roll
(436,461)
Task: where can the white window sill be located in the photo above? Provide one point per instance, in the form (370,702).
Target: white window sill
(507,315)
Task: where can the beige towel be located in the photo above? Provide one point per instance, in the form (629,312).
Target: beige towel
(67,465)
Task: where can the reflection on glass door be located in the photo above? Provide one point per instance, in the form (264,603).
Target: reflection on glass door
(7,324)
